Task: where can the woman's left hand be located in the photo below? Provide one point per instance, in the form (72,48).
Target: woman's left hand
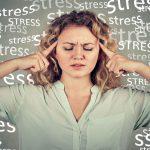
(118,63)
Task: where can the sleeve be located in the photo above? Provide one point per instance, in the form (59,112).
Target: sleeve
(11,98)
(141,105)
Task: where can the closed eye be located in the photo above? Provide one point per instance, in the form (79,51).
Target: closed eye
(87,49)
(68,49)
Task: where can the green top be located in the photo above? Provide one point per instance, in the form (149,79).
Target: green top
(45,120)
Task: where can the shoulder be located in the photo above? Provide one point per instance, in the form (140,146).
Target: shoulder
(35,89)
(119,91)
(125,94)
(128,91)
(24,89)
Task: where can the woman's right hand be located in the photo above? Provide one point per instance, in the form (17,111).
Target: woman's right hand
(35,62)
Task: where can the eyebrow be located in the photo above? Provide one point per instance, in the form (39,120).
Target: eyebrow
(75,44)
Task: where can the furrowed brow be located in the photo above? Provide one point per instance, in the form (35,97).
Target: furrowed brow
(69,43)
(75,43)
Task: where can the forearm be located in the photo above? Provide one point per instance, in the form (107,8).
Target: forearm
(143,70)
(7,67)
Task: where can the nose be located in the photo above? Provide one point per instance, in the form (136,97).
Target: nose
(78,52)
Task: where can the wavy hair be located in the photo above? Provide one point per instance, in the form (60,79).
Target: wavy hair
(100,75)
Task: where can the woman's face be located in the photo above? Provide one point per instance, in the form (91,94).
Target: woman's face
(77,45)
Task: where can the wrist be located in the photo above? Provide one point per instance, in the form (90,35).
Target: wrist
(16,63)
(140,67)
(136,66)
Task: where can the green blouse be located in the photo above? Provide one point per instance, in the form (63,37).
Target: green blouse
(44,118)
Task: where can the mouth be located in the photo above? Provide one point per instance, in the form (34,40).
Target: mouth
(77,66)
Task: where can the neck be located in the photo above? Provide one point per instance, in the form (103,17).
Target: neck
(77,85)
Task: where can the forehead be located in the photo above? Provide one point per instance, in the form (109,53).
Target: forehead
(78,34)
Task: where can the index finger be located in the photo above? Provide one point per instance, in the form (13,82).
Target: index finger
(48,50)
(106,51)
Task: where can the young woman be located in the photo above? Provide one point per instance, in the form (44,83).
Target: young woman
(77,101)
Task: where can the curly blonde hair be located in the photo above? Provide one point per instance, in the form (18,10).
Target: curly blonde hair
(100,75)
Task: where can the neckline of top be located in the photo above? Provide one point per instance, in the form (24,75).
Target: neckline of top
(60,85)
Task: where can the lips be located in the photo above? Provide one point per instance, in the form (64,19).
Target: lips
(78,65)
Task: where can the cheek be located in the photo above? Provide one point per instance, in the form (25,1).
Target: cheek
(93,60)
(62,60)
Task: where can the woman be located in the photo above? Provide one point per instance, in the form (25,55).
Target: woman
(77,102)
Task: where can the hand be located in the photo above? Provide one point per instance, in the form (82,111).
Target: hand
(36,62)
(118,63)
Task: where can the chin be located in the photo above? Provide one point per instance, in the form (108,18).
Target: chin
(78,75)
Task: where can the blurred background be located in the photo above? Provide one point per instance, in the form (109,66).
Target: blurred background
(23,24)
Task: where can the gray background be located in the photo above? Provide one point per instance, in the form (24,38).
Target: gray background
(50,6)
